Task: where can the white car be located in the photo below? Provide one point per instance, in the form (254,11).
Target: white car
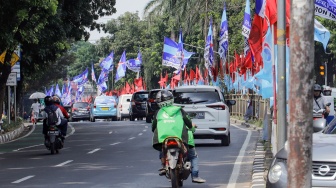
(123,106)
(208,110)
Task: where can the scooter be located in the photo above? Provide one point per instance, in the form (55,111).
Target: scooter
(319,121)
(54,140)
(178,168)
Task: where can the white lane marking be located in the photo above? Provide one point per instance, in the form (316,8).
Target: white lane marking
(94,151)
(28,147)
(64,163)
(236,167)
(115,143)
(110,132)
(146,127)
(23,179)
(144,130)
(131,138)
(140,134)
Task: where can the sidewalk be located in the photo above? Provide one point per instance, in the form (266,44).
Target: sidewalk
(260,163)
(10,136)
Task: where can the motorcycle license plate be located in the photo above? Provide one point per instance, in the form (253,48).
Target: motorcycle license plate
(53,132)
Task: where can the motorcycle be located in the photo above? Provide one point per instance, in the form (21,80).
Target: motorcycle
(319,121)
(178,167)
(54,140)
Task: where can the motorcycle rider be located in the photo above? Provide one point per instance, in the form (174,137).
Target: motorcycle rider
(319,101)
(57,102)
(49,102)
(171,120)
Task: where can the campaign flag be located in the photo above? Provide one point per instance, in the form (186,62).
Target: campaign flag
(326,9)
(208,51)
(84,78)
(79,93)
(107,63)
(50,91)
(103,76)
(45,91)
(135,64)
(267,53)
(102,87)
(224,36)
(180,54)
(321,34)
(57,91)
(63,90)
(93,76)
(79,78)
(247,20)
(121,70)
(170,54)
(260,6)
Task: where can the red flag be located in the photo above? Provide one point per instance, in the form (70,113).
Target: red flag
(248,60)
(256,37)
(196,74)
(200,75)
(127,88)
(271,11)
(177,78)
(192,74)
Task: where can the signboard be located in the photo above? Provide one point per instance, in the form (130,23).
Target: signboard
(16,68)
(11,81)
(14,59)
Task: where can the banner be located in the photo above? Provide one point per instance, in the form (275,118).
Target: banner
(135,64)
(326,9)
(208,51)
(107,63)
(247,20)
(121,70)
(224,36)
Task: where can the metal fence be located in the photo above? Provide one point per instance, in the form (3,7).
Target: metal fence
(259,105)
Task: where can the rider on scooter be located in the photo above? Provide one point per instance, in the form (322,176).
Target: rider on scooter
(319,101)
(163,120)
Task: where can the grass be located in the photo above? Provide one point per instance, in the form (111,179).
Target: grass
(7,127)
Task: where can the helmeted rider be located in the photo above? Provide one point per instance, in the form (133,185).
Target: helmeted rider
(319,101)
(172,120)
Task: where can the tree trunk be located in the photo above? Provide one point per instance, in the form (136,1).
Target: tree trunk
(5,71)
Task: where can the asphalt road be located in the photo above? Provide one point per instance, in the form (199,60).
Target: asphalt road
(119,155)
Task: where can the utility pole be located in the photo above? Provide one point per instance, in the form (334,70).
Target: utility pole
(325,74)
(301,94)
(281,93)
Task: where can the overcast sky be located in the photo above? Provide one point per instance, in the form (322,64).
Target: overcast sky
(122,6)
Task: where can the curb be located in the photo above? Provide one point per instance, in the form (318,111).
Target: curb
(258,169)
(11,135)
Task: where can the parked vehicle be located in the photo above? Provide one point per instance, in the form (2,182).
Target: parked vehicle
(80,111)
(208,109)
(138,105)
(152,106)
(123,106)
(104,107)
(53,142)
(177,168)
(323,160)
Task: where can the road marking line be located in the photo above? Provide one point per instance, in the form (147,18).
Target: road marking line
(64,163)
(144,130)
(146,127)
(94,151)
(131,138)
(115,143)
(236,167)
(110,132)
(23,179)
(140,134)
(28,147)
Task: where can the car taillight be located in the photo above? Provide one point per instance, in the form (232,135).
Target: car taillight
(219,129)
(172,143)
(217,106)
(94,106)
(151,100)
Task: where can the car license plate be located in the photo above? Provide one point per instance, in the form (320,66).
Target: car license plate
(53,132)
(104,108)
(196,115)
(143,105)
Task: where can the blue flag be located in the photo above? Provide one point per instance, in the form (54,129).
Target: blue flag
(93,76)
(103,76)
(50,91)
(224,36)
(102,87)
(326,9)
(57,91)
(81,77)
(170,54)
(121,70)
(107,63)
(260,6)
(321,34)
(63,90)
(208,51)
(246,27)
(135,64)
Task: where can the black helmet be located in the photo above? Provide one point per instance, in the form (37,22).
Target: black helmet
(317,87)
(56,99)
(48,100)
(164,98)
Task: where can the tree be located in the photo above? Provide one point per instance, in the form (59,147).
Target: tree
(45,29)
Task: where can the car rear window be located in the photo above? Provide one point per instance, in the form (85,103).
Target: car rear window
(202,97)
(105,100)
(152,94)
(140,96)
(81,105)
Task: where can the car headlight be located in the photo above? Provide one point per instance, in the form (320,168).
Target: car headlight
(275,173)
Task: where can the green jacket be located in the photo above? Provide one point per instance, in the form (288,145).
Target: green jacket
(191,141)
(170,121)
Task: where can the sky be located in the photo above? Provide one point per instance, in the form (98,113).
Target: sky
(122,6)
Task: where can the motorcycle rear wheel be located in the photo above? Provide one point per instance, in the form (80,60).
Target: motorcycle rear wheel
(52,148)
(174,178)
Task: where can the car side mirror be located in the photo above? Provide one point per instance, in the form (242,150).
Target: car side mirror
(230,102)
(128,100)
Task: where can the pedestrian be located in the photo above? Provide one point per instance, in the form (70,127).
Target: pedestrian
(35,110)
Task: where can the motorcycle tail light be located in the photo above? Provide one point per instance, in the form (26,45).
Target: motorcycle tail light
(172,143)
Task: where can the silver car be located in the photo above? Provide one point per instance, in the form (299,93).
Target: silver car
(323,157)
(208,110)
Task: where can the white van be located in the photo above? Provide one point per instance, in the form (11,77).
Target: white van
(123,106)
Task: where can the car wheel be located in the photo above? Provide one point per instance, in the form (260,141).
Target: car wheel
(225,141)
(93,119)
(131,118)
(148,119)
(114,118)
